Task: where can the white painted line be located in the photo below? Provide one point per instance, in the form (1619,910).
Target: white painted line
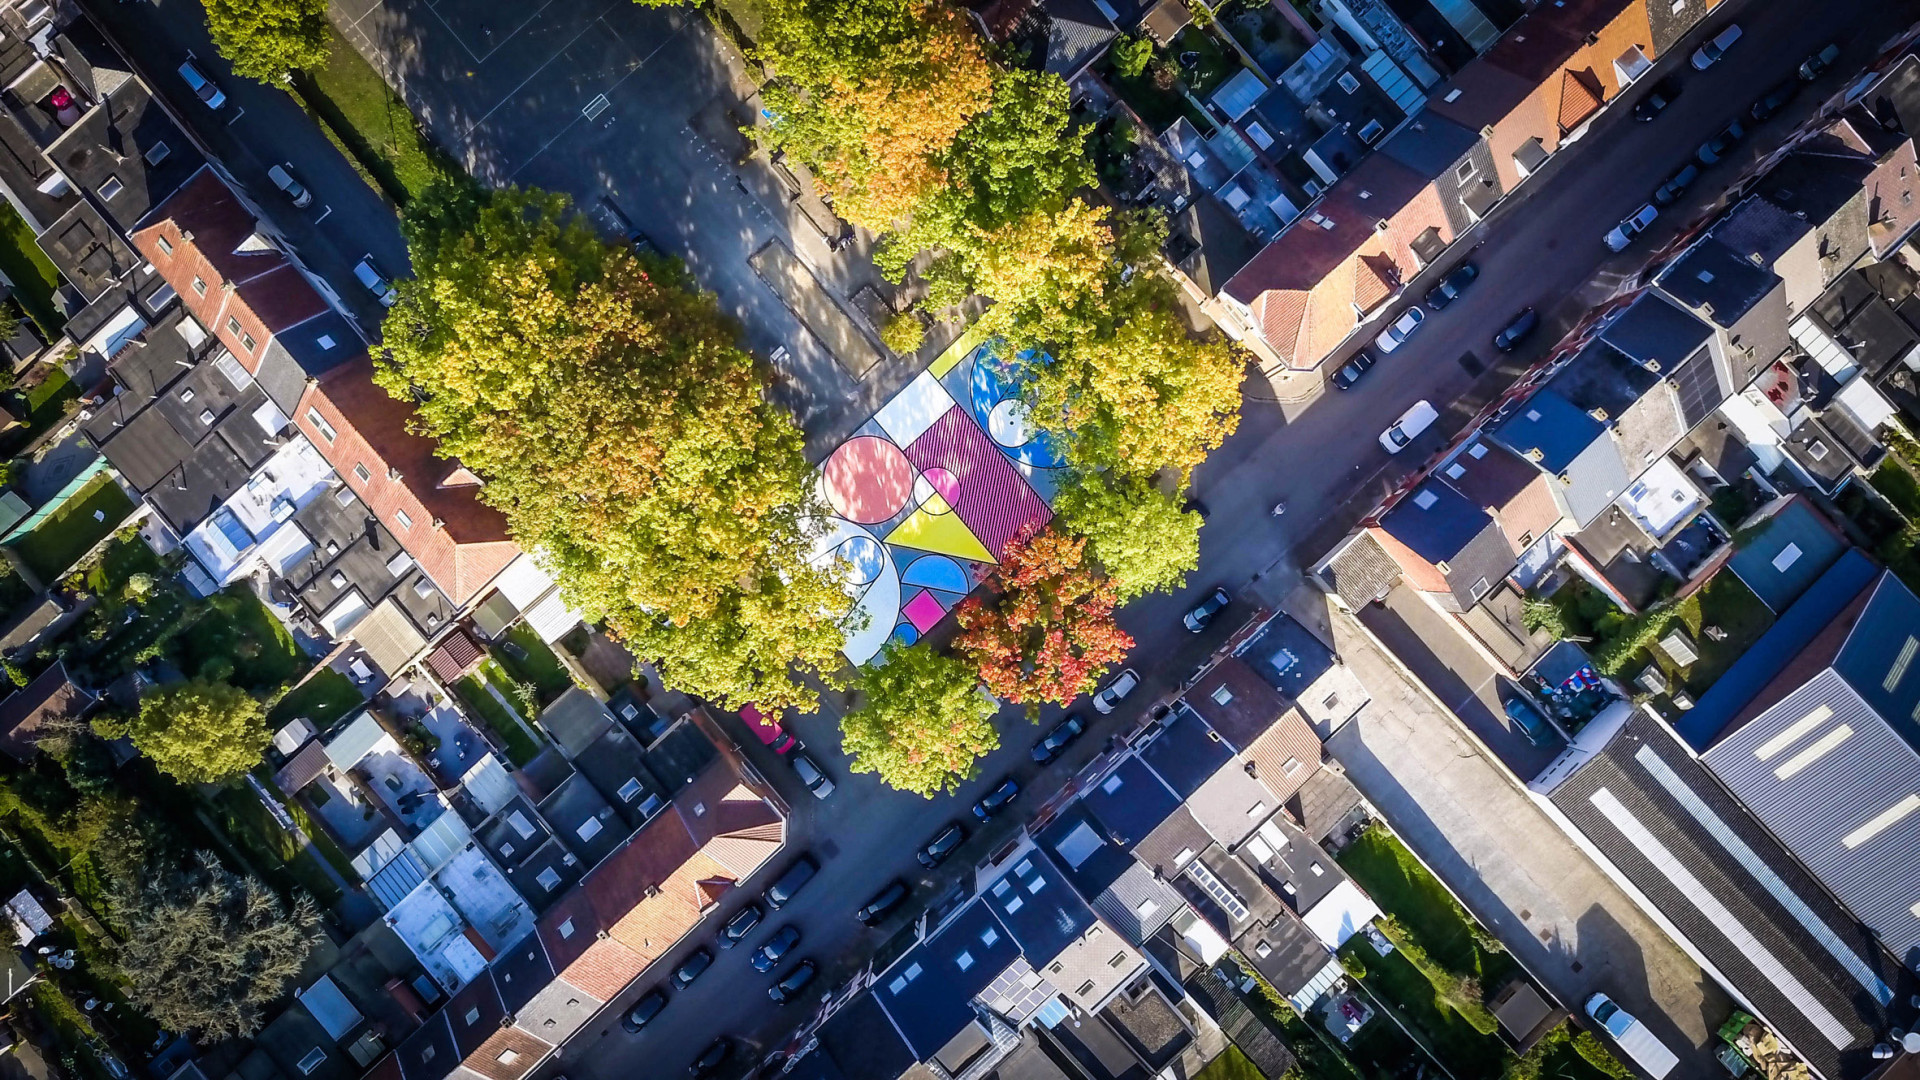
(236,117)
(323,215)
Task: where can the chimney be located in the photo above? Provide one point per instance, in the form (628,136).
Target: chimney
(1536,456)
(1598,413)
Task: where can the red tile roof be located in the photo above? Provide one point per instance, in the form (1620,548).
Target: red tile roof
(1285,755)
(1893,207)
(460,542)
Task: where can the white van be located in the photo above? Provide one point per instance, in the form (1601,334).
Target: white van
(1634,1039)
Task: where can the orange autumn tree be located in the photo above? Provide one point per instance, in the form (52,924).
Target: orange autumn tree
(1049,633)
(870,94)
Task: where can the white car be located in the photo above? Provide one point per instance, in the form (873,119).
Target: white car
(1110,695)
(1709,54)
(202,86)
(376,283)
(1636,223)
(1632,1036)
(1418,418)
(291,188)
(1401,329)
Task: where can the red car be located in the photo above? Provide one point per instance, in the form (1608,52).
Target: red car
(768,729)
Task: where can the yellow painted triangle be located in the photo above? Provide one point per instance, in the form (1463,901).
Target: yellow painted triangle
(944,534)
(936,504)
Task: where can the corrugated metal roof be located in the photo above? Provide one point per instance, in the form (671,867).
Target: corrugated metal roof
(1135,904)
(347,748)
(1841,790)
(453,656)
(401,876)
(489,785)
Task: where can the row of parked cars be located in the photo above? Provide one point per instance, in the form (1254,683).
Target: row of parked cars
(1722,143)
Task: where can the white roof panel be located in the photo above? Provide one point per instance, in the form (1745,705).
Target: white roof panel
(329,1006)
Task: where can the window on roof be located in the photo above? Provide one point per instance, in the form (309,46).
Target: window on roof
(1348,83)
(246,342)
(315,1058)
(401,516)
(1465,172)
(320,424)
(629,790)
(157,153)
(508,1057)
(165,246)
(566,929)
(233,325)
(1118,959)
(589,829)
(326,341)
(199,287)
(206,416)
(1085,988)
(112,187)
(1221,694)
(473,1015)
(362,472)
(186,393)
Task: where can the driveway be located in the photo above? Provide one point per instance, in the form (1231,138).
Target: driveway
(1475,828)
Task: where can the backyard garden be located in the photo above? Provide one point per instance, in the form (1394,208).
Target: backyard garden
(1154,83)
(31,272)
(1272,39)
(1890,522)
(69,532)
(512,725)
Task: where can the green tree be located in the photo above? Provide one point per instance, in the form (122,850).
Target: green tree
(626,437)
(1141,537)
(922,721)
(200,732)
(1131,55)
(267,39)
(208,951)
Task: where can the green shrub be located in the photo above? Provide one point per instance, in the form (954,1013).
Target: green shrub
(1131,55)
(903,333)
(1353,965)
(1598,1056)
(1461,992)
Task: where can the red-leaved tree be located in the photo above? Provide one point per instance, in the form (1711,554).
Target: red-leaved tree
(1049,633)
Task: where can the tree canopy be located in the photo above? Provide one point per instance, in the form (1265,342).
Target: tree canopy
(1140,536)
(922,721)
(626,437)
(1049,633)
(267,39)
(207,950)
(200,732)
(871,93)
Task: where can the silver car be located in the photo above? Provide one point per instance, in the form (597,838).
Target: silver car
(811,775)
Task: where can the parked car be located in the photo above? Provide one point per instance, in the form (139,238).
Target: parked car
(996,800)
(775,948)
(1200,617)
(1721,144)
(1418,418)
(742,924)
(1400,330)
(768,729)
(1531,724)
(1351,371)
(1662,95)
(711,1058)
(693,967)
(1635,224)
(1819,63)
(1059,738)
(202,87)
(1676,185)
(374,281)
(291,188)
(883,902)
(792,983)
(1633,1037)
(944,843)
(1116,691)
(810,774)
(644,1010)
(1451,286)
(1516,331)
(781,892)
(1775,99)
(1709,54)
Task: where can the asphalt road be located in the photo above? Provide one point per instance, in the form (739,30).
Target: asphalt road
(260,126)
(1541,249)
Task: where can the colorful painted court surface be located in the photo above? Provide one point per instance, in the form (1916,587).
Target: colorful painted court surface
(928,494)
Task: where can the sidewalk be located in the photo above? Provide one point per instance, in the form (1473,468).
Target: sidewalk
(1480,833)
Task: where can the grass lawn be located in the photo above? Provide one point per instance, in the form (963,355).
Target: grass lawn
(1892,480)
(271,848)
(69,532)
(520,743)
(322,699)
(239,640)
(373,126)
(1232,1065)
(1725,602)
(1214,64)
(1159,108)
(44,404)
(32,273)
(1468,1053)
(550,678)
(1389,873)
(119,561)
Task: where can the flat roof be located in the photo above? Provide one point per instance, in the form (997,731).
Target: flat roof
(1793,548)
(1130,801)
(1034,901)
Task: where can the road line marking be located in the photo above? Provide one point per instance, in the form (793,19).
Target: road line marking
(323,215)
(569,127)
(236,117)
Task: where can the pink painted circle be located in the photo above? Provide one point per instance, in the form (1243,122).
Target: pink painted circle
(944,482)
(868,480)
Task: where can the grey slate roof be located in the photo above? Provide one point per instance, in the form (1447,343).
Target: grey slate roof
(1077,32)
(1638,403)
(1716,281)
(1812,972)
(1574,450)
(1832,780)
(1361,571)
(1177,839)
(1130,801)
(1776,575)
(1654,330)
(928,992)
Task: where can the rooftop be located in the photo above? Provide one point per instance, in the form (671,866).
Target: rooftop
(1717,281)
(1185,753)
(928,993)
(1130,801)
(1793,545)
(1235,702)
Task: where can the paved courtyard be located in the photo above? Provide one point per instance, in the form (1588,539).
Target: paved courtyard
(636,113)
